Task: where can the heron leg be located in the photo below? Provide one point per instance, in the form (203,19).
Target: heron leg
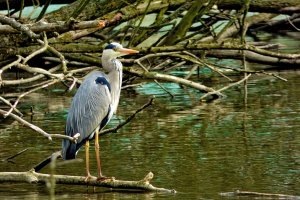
(87,160)
(97,150)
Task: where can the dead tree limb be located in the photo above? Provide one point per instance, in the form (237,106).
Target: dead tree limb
(239,193)
(18,26)
(34,177)
(212,46)
(114,129)
(38,129)
(15,155)
(267,6)
(53,27)
(272,62)
(170,78)
(226,87)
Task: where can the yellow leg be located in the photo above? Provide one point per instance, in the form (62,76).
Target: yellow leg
(97,150)
(87,160)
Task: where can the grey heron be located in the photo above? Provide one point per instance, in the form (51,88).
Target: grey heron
(93,105)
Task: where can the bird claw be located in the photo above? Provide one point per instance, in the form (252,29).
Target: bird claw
(87,178)
(104,178)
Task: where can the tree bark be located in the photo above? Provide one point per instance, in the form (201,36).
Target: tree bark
(267,6)
(95,9)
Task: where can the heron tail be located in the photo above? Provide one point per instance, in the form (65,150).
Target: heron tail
(69,150)
(46,161)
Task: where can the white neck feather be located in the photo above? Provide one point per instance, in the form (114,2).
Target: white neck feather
(114,67)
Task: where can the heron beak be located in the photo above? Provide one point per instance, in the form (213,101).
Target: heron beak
(127,51)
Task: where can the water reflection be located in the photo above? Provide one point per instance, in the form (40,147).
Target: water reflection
(196,148)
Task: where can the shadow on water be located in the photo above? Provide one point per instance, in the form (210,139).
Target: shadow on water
(196,148)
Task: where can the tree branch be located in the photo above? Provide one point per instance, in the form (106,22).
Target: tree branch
(34,177)
(170,78)
(212,46)
(226,87)
(258,194)
(18,26)
(114,129)
(38,129)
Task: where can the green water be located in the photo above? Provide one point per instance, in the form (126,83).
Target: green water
(198,149)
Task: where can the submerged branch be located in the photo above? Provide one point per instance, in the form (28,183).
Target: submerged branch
(226,87)
(239,193)
(114,129)
(15,155)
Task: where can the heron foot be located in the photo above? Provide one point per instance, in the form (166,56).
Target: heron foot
(104,178)
(88,177)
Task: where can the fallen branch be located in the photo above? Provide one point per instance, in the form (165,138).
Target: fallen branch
(10,105)
(272,62)
(114,129)
(34,177)
(38,129)
(57,26)
(14,107)
(238,193)
(170,78)
(28,80)
(15,155)
(18,26)
(226,87)
(224,46)
(25,29)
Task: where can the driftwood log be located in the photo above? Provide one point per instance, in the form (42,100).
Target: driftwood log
(33,177)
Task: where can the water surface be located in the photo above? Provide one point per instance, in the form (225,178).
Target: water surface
(199,149)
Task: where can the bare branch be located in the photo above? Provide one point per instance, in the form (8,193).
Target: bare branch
(38,129)
(34,177)
(10,105)
(226,87)
(24,122)
(15,155)
(28,80)
(293,25)
(28,92)
(8,67)
(18,26)
(115,129)
(258,195)
(170,78)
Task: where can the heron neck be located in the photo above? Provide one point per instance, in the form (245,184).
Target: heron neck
(115,80)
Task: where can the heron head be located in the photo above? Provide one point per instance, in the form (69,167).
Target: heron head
(114,50)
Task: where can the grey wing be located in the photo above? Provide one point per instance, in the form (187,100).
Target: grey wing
(89,109)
